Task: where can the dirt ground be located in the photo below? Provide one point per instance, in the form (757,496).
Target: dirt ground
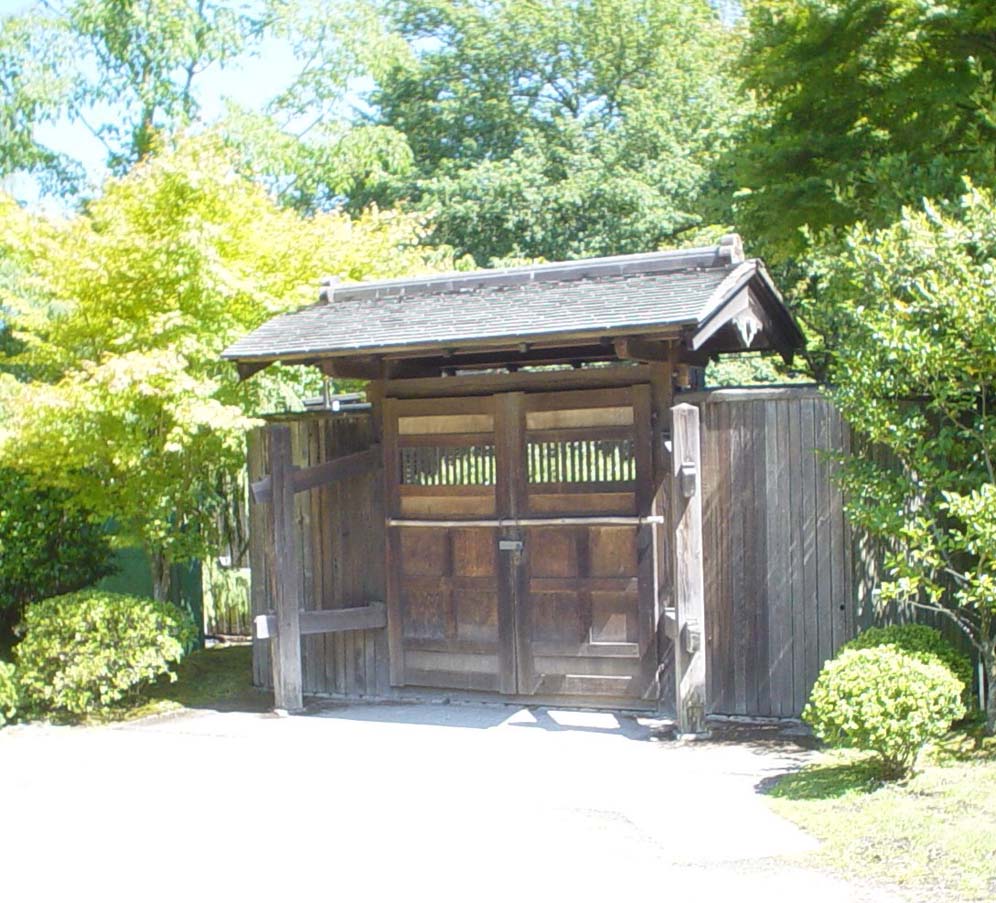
(434,802)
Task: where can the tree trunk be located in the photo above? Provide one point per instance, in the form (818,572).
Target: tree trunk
(160,566)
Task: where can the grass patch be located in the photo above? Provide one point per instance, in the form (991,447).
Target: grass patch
(933,835)
(216,678)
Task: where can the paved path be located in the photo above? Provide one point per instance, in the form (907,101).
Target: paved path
(426,802)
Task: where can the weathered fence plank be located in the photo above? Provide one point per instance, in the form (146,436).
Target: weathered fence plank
(339,530)
(776,537)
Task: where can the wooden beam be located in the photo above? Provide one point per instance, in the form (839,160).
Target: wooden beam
(332,620)
(637,349)
(359,367)
(542,381)
(248,368)
(327,472)
(288,694)
(689,585)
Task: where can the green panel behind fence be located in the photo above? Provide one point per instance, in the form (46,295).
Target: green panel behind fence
(134,577)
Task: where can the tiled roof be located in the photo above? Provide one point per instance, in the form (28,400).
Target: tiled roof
(594,297)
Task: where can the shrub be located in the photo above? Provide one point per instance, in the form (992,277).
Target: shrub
(885,701)
(922,642)
(87,650)
(48,545)
(8,693)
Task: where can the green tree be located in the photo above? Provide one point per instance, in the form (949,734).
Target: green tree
(862,106)
(122,312)
(128,71)
(913,307)
(33,94)
(553,129)
(48,546)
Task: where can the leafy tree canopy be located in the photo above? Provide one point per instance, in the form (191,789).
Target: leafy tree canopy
(48,545)
(122,312)
(914,370)
(554,129)
(128,71)
(863,106)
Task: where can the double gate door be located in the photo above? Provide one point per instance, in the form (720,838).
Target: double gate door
(520,543)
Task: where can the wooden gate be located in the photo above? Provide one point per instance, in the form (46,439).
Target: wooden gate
(520,552)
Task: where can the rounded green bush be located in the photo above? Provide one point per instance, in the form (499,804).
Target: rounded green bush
(922,642)
(8,693)
(87,650)
(884,701)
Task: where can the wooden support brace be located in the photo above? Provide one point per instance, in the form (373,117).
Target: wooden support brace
(689,585)
(329,620)
(285,653)
(331,471)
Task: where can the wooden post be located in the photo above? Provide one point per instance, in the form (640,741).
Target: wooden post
(689,594)
(285,652)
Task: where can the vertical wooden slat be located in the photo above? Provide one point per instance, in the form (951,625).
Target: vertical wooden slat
(824,540)
(779,527)
(647,601)
(691,698)
(311,659)
(514,672)
(738,569)
(760,680)
(810,565)
(286,645)
(839,580)
(391,509)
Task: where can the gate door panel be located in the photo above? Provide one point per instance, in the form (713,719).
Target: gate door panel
(517,558)
(444,579)
(585,602)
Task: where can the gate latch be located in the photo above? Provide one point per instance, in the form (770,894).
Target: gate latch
(510,545)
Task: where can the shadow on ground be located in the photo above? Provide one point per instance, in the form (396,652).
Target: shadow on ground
(822,782)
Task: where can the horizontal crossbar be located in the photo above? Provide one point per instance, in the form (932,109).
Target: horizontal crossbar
(327,472)
(330,620)
(608,521)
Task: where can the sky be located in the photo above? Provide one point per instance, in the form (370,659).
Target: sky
(249,82)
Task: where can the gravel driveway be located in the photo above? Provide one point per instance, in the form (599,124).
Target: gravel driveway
(434,802)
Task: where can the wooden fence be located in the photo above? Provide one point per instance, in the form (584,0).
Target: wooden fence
(780,587)
(340,530)
(786,581)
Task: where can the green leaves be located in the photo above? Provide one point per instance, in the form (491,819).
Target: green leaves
(9,693)
(122,312)
(885,701)
(912,311)
(558,130)
(48,544)
(86,651)
(864,106)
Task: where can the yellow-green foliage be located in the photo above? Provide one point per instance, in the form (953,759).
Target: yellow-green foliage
(85,651)
(884,701)
(8,693)
(122,312)
(922,642)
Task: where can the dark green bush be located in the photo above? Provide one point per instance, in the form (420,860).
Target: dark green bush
(885,701)
(87,650)
(8,693)
(922,642)
(48,545)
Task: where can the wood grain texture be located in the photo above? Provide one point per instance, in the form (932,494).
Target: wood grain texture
(782,582)
(339,529)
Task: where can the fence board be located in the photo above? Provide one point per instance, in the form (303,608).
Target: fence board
(340,528)
(777,547)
